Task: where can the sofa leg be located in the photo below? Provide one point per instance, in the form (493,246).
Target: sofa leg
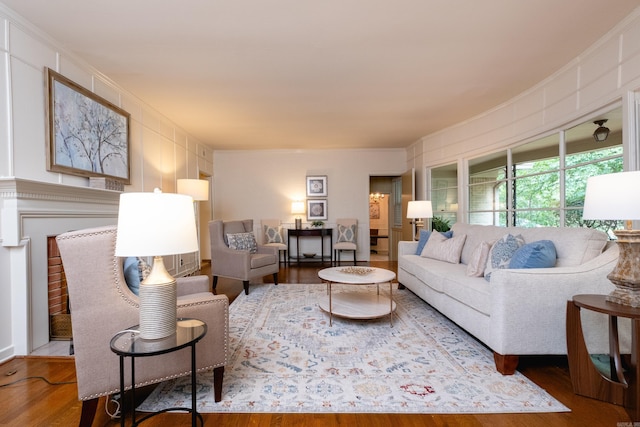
(245,284)
(218,375)
(88,413)
(506,364)
(215,284)
(401,286)
(354,257)
(275,278)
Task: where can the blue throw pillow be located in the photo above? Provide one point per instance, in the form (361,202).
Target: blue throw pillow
(540,254)
(424,236)
(135,271)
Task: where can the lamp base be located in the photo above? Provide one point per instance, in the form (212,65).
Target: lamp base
(626,274)
(298,223)
(419,226)
(158,303)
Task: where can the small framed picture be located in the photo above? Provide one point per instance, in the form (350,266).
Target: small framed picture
(374,211)
(317,210)
(317,186)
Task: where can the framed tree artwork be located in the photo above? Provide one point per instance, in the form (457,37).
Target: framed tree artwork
(87,135)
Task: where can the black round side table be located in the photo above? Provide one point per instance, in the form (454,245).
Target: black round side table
(128,343)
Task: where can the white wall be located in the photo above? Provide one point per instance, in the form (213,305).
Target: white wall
(262,184)
(161,153)
(605,74)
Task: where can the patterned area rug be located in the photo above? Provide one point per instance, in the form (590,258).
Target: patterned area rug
(286,358)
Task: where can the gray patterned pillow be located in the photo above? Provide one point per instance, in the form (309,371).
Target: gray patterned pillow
(347,234)
(501,253)
(243,242)
(272,234)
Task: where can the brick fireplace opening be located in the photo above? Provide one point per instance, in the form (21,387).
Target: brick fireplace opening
(59,317)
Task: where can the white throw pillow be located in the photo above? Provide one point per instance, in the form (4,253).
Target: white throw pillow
(478,260)
(443,249)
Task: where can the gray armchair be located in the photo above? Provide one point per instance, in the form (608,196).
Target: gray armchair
(239,264)
(102,305)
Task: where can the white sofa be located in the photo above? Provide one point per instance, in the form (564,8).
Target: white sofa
(520,311)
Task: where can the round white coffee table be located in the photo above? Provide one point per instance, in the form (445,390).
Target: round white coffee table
(357,305)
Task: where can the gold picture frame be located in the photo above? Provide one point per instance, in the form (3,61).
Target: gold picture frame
(86,134)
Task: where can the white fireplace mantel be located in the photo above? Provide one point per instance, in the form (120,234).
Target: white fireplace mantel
(30,212)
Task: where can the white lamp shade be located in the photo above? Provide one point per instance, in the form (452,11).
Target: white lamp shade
(196,188)
(156,224)
(613,197)
(419,209)
(297,207)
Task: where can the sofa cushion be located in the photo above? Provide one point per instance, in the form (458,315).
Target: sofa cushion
(260,260)
(471,291)
(478,260)
(444,249)
(272,234)
(574,246)
(539,254)
(234,227)
(243,242)
(501,253)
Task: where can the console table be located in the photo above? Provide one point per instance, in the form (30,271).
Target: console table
(320,233)
(622,385)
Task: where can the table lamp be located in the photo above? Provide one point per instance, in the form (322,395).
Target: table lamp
(297,208)
(156,224)
(198,189)
(615,197)
(418,209)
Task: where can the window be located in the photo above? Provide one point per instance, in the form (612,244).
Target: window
(586,158)
(488,190)
(444,192)
(533,185)
(536,183)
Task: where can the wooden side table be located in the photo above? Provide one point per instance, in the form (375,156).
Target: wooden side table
(320,233)
(623,386)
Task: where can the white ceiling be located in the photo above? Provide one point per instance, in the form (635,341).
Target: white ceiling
(253,74)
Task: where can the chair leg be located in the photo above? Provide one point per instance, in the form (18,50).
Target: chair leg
(245,283)
(218,375)
(275,278)
(215,284)
(88,412)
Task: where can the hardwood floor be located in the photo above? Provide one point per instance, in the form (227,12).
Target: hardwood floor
(34,402)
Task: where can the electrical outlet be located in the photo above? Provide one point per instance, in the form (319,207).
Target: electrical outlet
(181,262)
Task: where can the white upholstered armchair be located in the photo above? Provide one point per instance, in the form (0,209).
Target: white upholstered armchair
(102,305)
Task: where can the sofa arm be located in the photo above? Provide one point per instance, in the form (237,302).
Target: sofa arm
(406,247)
(528,306)
(271,250)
